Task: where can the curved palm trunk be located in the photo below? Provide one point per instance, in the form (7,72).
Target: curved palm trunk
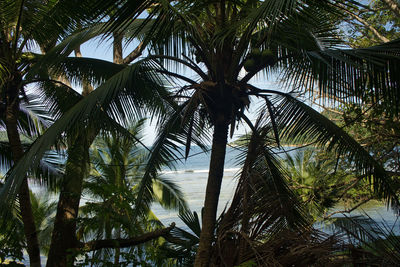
(117,48)
(220,139)
(23,194)
(63,241)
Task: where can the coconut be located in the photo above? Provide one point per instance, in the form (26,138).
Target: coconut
(268,57)
(255,52)
(250,65)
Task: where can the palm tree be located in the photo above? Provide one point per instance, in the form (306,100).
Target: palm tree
(11,236)
(54,82)
(33,119)
(81,136)
(139,89)
(12,233)
(297,40)
(131,87)
(25,24)
(308,177)
(44,210)
(112,186)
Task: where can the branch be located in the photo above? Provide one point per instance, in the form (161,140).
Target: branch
(123,243)
(368,26)
(350,210)
(134,54)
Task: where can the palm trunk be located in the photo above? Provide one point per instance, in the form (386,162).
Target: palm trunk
(64,240)
(86,86)
(117,48)
(24,198)
(213,189)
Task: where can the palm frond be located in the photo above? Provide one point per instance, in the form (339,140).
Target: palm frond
(76,70)
(69,43)
(263,181)
(168,194)
(48,171)
(166,148)
(301,123)
(377,241)
(264,212)
(44,212)
(135,83)
(34,118)
(57,97)
(125,13)
(181,244)
(344,75)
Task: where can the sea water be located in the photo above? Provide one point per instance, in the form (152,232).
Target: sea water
(191,177)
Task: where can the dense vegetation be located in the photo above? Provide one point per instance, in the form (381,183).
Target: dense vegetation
(88,143)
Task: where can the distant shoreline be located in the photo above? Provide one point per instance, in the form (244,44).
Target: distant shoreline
(233,144)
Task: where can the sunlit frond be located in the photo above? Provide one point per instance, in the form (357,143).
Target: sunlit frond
(135,83)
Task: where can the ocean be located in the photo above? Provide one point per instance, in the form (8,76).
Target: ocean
(191,176)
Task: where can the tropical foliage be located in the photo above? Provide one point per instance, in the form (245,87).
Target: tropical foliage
(323,181)
(295,39)
(112,188)
(223,45)
(373,22)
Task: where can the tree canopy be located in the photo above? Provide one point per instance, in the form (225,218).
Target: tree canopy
(224,44)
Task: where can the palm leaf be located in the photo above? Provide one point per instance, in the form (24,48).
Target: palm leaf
(168,194)
(135,83)
(300,123)
(166,148)
(263,208)
(381,244)
(182,244)
(350,75)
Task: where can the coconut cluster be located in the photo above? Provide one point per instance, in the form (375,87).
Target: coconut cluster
(258,60)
